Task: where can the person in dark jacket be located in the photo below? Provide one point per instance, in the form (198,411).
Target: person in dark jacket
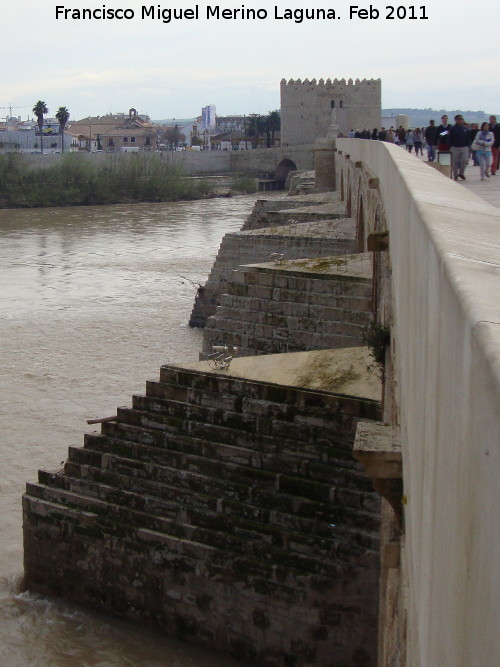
(443,140)
(431,137)
(495,149)
(459,145)
(402,136)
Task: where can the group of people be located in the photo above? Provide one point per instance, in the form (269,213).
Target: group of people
(461,140)
(409,139)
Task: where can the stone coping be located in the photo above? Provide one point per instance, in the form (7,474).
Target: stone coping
(346,371)
(345,266)
(308,199)
(337,228)
(329,207)
(313,197)
(378,440)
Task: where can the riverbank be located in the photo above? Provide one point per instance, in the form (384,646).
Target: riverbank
(75,182)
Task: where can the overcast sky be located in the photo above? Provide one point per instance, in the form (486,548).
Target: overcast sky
(94,67)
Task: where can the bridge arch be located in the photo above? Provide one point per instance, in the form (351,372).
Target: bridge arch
(283,169)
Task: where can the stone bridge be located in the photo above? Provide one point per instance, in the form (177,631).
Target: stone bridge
(225,506)
(274,160)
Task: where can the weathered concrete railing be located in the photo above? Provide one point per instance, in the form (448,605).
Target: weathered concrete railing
(444,245)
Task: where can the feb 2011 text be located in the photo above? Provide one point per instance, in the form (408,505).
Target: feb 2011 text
(243,13)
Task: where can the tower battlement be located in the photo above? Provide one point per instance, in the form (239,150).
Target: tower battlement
(330,82)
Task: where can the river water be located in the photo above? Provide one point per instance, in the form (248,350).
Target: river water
(92,301)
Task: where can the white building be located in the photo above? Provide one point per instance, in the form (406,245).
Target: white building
(208,117)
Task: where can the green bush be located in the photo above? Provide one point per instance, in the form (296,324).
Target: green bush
(377,337)
(75,180)
(244,184)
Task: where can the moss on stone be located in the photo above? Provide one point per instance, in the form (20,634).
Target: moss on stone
(320,375)
(321,264)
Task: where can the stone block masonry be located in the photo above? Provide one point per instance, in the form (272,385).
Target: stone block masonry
(222,510)
(244,248)
(316,230)
(303,240)
(298,305)
(272,212)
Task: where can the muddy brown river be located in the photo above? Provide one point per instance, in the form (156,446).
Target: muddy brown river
(92,301)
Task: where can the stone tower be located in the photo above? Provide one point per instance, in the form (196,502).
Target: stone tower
(306,107)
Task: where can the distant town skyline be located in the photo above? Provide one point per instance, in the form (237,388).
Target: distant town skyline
(170,70)
(417,116)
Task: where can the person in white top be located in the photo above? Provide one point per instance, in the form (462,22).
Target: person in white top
(484,140)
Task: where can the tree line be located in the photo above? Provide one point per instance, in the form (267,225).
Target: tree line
(259,126)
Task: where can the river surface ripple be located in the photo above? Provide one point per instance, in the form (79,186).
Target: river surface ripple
(93,300)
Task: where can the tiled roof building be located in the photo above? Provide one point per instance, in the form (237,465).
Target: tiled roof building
(114,133)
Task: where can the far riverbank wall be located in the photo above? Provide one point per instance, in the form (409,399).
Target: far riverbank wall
(194,163)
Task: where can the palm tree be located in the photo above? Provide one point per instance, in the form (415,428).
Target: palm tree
(62,116)
(274,123)
(245,129)
(256,128)
(40,109)
(269,125)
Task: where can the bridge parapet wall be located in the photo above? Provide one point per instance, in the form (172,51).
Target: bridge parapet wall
(444,255)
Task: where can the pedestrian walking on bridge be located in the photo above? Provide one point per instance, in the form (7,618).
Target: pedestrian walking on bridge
(484,140)
(459,145)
